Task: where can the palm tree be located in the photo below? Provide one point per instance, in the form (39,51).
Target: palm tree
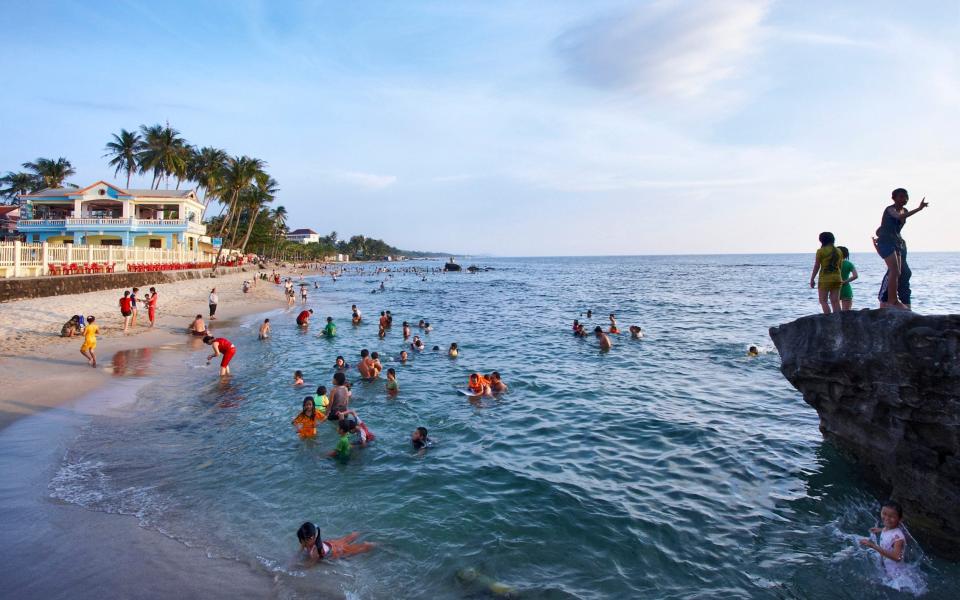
(264,191)
(15,184)
(123,151)
(50,173)
(205,168)
(237,174)
(279,218)
(164,152)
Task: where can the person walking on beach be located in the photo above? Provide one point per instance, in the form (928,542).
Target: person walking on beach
(152,306)
(827,262)
(90,341)
(848,273)
(213,299)
(221,347)
(126,310)
(895,287)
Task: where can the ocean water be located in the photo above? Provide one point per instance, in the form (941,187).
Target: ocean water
(671,467)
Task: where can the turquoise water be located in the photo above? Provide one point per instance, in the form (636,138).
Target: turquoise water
(672,467)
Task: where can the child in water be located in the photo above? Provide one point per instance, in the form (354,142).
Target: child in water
(305,423)
(404,356)
(893,542)
(419,439)
(753,351)
(316,549)
(454,351)
(264,330)
(392,386)
(635,332)
(828,263)
(298,378)
(342,449)
(613,324)
(341,364)
(321,401)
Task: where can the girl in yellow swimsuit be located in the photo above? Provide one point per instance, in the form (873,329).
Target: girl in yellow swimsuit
(90,341)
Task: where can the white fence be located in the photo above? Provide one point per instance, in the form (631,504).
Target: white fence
(20,259)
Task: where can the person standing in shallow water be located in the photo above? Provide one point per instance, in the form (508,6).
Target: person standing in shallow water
(827,262)
(895,287)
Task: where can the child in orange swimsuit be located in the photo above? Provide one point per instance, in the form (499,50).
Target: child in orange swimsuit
(318,549)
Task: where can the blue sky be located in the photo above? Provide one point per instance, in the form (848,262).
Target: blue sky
(523,128)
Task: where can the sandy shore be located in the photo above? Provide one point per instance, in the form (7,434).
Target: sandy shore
(41,369)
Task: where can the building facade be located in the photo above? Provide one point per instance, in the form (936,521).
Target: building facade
(106,215)
(303,236)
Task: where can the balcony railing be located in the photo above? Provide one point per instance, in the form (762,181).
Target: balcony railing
(129,222)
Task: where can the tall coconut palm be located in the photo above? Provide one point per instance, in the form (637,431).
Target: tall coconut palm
(278,216)
(239,172)
(263,192)
(50,173)
(205,167)
(123,152)
(164,152)
(15,184)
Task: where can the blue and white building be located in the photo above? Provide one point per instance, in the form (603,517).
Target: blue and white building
(103,214)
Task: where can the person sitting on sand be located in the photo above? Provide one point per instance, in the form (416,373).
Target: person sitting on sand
(90,341)
(827,263)
(221,347)
(330,329)
(420,440)
(497,386)
(197,327)
(605,343)
(71,327)
(613,324)
(417,344)
(316,549)
(454,351)
(264,332)
(392,386)
(298,378)
(893,541)
(305,423)
(635,332)
(303,319)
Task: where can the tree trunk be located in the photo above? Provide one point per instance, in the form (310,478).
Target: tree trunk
(253,219)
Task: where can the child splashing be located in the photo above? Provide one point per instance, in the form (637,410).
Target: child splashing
(892,547)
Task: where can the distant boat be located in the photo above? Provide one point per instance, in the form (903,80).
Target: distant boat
(452,265)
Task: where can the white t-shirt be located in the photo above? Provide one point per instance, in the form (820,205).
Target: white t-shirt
(887,538)
(213,298)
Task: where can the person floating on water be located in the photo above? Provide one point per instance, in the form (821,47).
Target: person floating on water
(848,274)
(635,332)
(90,341)
(605,343)
(827,262)
(454,351)
(305,423)
(264,332)
(613,324)
(893,250)
(298,378)
(221,347)
(893,542)
(303,319)
(330,329)
(316,549)
(753,351)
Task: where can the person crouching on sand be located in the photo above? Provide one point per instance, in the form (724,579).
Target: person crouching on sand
(605,343)
(221,347)
(316,549)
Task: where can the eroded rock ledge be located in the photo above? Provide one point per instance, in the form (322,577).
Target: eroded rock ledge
(886,385)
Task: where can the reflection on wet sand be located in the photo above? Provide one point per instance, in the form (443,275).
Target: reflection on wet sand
(132,363)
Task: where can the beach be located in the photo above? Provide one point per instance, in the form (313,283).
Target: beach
(34,356)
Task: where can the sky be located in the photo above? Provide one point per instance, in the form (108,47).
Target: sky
(522,128)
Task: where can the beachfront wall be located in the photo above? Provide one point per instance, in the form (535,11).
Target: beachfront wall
(21,259)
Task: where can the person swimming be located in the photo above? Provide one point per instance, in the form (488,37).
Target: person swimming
(497,386)
(479,385)
(298,378)
(454,351)
(406,330)
(404,356)
(317,549)
(392,386)
(635,332)
(753,351)
(341,364)
(420,440)
(605,343)
(321,401)
(357,317)
(613,324)
(417,344)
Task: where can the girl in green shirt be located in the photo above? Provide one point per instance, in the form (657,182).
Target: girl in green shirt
(848,273)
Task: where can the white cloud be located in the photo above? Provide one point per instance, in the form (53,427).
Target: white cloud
(672,49)
(370,181)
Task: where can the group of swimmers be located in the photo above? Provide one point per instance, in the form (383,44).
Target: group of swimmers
(603,337)
(836,272)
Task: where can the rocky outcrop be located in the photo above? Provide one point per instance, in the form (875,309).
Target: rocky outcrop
(886,385)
